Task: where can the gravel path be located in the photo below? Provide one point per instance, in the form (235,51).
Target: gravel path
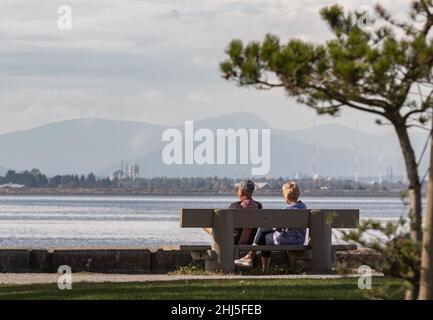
(33,278)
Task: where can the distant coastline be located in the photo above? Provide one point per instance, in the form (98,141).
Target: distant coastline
(165,192)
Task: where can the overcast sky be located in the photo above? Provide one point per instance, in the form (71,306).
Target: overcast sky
(148,60)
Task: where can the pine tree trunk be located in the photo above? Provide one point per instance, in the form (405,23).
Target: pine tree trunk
(426,282)
(414,188)
(414,192)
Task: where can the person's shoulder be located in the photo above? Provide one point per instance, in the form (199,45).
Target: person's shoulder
(297,205)
(259,204)
(301,205)
(235,205)
(238,205)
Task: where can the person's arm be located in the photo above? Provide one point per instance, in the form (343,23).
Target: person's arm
(208,231)
(234,205)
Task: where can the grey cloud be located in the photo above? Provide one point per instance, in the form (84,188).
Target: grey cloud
(120,53)
(75,64)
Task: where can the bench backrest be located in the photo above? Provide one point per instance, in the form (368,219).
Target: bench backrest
(268,218)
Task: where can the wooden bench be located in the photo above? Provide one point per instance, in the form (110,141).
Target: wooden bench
(223,222)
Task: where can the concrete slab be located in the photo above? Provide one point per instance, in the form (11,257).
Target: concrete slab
(14,260)
(105,260)
(32,278)
(164,261)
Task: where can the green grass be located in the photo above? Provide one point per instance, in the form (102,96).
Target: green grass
(207,289)
(279,270)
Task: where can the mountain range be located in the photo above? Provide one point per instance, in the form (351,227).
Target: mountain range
(97,145)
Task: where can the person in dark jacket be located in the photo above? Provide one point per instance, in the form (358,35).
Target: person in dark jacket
(245,190)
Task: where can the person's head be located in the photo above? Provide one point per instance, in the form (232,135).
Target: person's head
(291,191)
(245,189)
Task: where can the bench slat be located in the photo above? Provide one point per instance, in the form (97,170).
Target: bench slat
(271,248)
(269,218)
(194,247)
(335,247)
(196,218)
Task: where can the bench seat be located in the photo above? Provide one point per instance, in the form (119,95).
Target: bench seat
(272,248)
(204,252)
(223,222)
(335,247)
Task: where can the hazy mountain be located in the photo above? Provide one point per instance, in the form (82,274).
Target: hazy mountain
(84,145)
(77,146)
(288,157)
(235,120)
(291,152)
(340,136)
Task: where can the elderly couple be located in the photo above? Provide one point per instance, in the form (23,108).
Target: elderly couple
(265,236)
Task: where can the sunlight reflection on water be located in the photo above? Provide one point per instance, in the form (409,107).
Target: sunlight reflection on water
(60,221)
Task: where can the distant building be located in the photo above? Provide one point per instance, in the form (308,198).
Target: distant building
(126,171)
(263,185)
(259,185)
(11,186)
(118,174)
(133,171)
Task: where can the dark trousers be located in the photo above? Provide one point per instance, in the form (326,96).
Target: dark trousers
(264,236)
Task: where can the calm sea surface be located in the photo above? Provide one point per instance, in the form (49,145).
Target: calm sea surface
(68,221)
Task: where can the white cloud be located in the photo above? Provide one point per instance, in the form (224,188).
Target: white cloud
(150,94)
(198,97)
(145,60)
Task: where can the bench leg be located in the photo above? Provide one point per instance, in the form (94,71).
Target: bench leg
(237,254)
(211,265)
(321,241)
(222,231)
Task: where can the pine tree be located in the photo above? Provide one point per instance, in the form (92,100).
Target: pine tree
(371,69)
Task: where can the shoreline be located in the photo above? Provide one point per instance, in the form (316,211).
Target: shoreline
(146,192)
(133,260)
